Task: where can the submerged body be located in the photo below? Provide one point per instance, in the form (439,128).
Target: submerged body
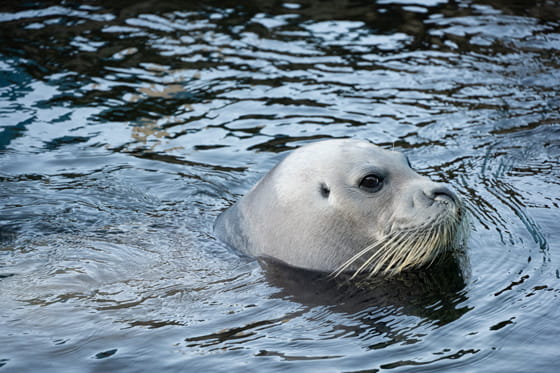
(345,206)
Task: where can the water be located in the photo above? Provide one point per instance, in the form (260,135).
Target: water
(126,127)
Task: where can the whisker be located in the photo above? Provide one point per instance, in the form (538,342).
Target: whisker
(368,261)
(351,261)
(390,248)
(408,248)
(391,255)
(393,258)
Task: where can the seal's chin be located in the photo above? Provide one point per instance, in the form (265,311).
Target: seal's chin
(408,247)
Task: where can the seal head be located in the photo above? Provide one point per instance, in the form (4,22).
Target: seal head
(345,206)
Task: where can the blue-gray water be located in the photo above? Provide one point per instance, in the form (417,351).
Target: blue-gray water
(127,126)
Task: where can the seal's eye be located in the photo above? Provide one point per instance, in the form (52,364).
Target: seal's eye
(371,183)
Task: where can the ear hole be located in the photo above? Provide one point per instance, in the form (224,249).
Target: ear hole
(325,191)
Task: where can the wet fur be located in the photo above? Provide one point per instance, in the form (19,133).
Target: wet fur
(309,212)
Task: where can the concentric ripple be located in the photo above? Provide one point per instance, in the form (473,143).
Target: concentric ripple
(126,127)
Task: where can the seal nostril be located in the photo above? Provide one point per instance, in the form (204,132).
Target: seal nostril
(443,194)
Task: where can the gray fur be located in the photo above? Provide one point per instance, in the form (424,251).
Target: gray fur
(287,215)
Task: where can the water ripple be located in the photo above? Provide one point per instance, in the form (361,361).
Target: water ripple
(127,128)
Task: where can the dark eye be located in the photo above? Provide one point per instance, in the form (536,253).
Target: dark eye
(371,183)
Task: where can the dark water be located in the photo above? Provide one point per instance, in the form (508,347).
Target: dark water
(126,127)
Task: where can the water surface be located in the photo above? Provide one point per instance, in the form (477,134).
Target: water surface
(126,127)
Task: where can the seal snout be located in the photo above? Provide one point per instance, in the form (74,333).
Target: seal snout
(443,194)
(437,193)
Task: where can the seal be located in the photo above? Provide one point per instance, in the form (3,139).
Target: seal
(346,206)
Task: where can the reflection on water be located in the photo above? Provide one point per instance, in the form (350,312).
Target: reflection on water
(126,127)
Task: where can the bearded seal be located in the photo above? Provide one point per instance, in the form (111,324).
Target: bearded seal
(345,206)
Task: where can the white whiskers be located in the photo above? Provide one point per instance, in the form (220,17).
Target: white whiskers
(408,248)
